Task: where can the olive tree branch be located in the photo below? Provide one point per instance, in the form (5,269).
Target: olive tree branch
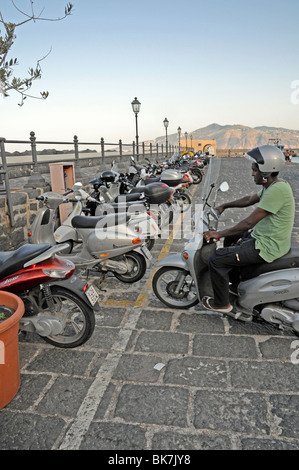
(7,81)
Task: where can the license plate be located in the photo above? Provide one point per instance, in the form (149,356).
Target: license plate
(92,295)
(147,253)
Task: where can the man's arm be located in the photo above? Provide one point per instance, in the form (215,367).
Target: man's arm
(243,202)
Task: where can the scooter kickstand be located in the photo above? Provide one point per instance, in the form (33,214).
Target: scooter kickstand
(240,316)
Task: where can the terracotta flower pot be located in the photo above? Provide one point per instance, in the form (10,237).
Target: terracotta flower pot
(9,348)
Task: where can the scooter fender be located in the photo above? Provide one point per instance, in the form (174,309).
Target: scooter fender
(271,287)
(173,261)
(76,285)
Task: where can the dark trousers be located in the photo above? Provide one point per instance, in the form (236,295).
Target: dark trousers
(223,262)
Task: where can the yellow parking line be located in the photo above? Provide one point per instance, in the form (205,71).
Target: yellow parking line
(142,297)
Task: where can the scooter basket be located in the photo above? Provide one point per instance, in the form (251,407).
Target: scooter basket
(171,177)
(157,193)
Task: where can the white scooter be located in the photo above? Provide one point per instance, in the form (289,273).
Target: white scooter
(98,244)
(268,292)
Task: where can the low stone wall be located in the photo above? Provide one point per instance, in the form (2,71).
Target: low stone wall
(25,205)
(25,208)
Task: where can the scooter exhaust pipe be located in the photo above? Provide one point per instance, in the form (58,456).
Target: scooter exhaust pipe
(119,267)
(273,314)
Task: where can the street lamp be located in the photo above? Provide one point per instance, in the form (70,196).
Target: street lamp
(166,122)
(186,135)
(179,132)
(136,108)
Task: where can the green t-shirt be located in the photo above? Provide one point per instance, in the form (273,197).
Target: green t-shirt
(273,232)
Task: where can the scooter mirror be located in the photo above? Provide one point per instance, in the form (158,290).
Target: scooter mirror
(77,186)
(224,186)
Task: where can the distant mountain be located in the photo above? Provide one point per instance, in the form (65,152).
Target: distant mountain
(238,136)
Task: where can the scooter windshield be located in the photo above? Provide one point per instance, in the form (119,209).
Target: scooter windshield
(200,217)
(211,176)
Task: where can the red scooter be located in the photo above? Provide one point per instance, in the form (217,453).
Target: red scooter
(58,305)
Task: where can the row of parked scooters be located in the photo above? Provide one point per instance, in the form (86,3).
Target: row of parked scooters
(112,229)
(105,233)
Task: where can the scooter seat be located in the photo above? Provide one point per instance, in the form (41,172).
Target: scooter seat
(288,261)
(103,221)
(12,261)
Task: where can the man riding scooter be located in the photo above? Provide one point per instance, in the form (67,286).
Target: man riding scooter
(272,223)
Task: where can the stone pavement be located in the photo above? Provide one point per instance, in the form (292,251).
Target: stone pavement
(155,378)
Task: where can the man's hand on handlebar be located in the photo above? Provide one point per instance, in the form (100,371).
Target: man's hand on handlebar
(211,235)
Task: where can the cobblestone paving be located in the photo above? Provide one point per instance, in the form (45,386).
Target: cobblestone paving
(223,384)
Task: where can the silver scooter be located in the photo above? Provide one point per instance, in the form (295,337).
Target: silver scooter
(267,292)
(98,244)
(140,222)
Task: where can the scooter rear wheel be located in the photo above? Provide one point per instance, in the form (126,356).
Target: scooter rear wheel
(184,201)
(197,176)
(149,243)
(138,268)
(77,316)
(165,285)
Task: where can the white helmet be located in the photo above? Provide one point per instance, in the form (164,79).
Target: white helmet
(269,159)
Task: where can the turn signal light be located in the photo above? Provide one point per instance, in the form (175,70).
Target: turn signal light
(136,241)
(185,255)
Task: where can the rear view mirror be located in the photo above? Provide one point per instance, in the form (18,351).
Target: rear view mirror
(224,186)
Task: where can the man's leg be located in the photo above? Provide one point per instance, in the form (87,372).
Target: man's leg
(225,259)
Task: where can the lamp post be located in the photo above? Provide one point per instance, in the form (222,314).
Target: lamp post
(191,137)
(179,132)
(186,135)
(166,122)
(136,108)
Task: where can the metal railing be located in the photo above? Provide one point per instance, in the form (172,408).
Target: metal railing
(103,149)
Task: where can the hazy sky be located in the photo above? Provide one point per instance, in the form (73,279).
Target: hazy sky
(195,62)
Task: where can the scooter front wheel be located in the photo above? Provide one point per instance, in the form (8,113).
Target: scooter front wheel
(175,287)
(137,268)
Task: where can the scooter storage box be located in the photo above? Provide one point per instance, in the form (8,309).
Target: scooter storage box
(157,193)
(171,177)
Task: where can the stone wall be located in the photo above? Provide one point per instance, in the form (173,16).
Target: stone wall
(25,205)
(25,208)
